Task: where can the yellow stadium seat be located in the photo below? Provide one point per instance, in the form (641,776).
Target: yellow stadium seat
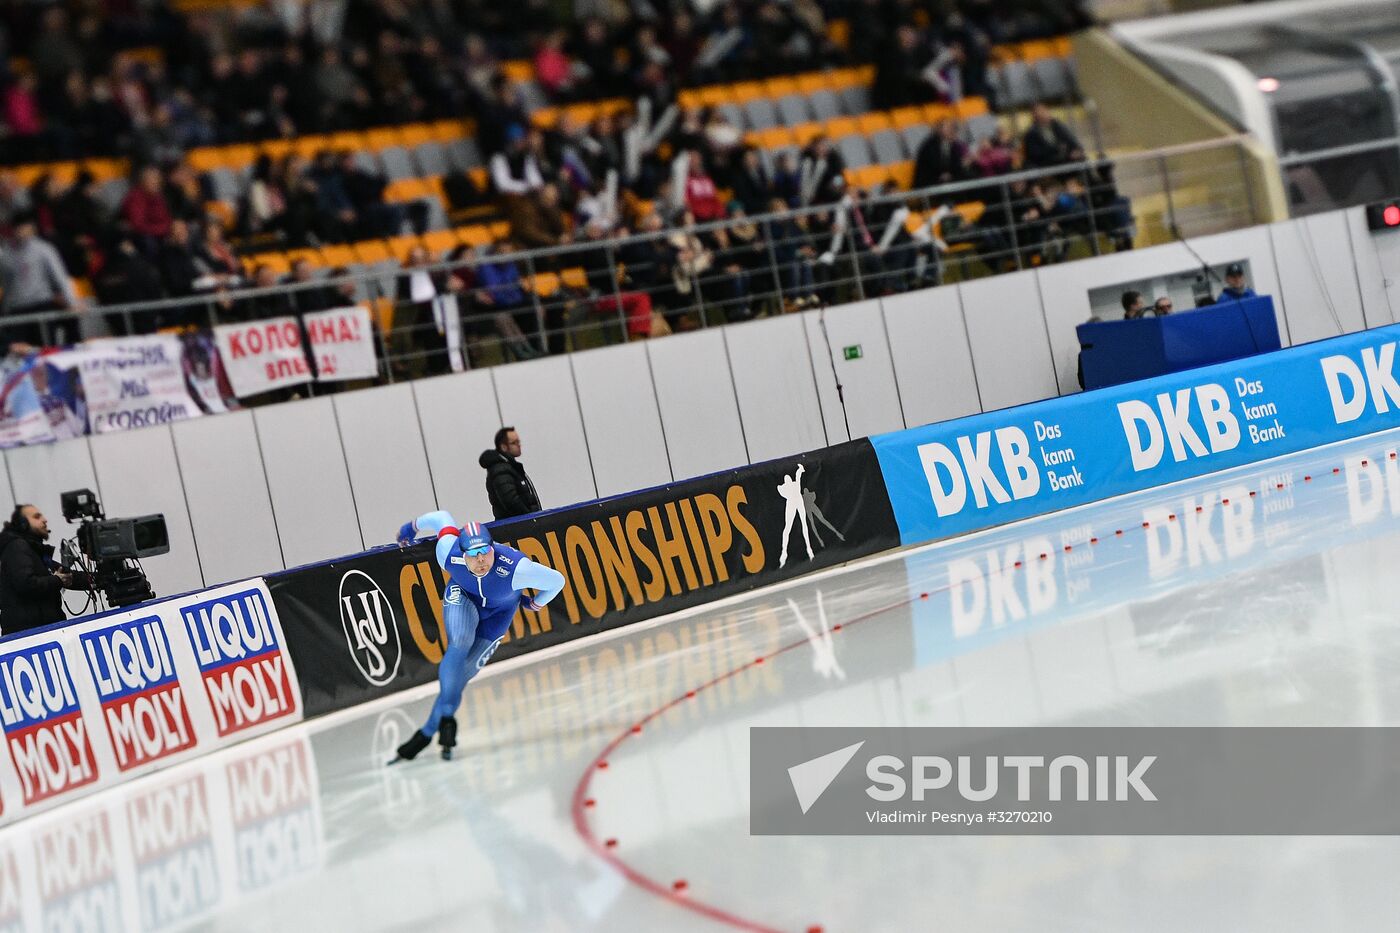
(415,133)
(902,174)
(575,278)
(499,229)
(446,131)
(312,255)
(839,32)
(401,246)
(384,314)
(474,235)
(518,71)
(804,133)
(406,189)
(337,256)
(222,211)
(874,122)
(970,107)
(275,148)
(546,118)
(902,117)
(348,141)
(812,81)
(544,284)
(837,127)
(937,113)
(307,146)
(745,91)
(688,99)
(371,251)
(206,158)
(383,137)
(440,242)
(781,87)
(714,95)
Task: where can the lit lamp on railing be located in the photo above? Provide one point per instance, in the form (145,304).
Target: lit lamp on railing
(1384,215)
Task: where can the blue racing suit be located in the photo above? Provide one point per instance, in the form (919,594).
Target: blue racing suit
(478,610)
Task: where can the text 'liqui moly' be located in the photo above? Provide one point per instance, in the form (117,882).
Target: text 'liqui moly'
(244,669)
(43,725)
(142,702)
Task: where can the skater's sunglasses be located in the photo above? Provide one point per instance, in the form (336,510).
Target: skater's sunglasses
(478,551)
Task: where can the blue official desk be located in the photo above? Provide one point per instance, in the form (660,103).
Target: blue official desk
(1113,352)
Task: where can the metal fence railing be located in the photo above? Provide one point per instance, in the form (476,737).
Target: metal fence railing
(689,276)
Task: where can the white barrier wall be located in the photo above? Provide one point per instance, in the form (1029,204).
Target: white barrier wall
(304,481)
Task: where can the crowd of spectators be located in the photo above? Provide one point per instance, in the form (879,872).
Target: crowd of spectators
(656,169)
(290,68)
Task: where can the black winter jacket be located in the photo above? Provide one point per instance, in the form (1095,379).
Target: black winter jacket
(30,595)
(509,489)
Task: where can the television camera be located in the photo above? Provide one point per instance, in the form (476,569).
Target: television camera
(109,549)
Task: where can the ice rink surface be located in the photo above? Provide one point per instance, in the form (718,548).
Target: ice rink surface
(1272,608)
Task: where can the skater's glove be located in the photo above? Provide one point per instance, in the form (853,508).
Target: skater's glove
(528,602)
(406,534)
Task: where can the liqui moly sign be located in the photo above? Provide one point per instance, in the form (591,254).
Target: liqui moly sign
(44,727)
(241,659)
(143,704)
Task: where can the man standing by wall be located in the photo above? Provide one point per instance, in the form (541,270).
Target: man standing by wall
(509,489)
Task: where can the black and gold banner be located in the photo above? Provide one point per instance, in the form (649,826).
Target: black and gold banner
(372,624)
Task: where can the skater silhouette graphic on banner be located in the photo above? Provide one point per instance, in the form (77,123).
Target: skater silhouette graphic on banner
(801,503)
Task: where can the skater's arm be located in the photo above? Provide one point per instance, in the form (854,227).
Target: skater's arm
(545,581)
(425,526)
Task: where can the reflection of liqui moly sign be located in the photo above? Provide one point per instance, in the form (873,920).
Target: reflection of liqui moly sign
(11,895)
(272,796)
(43,725)
(77,874)
(142,702)
(177,870)
(245,671)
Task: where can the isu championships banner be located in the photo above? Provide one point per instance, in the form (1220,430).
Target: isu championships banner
(372,624)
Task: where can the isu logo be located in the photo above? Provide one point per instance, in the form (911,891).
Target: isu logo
(371,630)
(142,702)
(801,504)
(43,725)
(245,672)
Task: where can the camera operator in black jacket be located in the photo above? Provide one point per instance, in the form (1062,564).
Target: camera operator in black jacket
(31,581)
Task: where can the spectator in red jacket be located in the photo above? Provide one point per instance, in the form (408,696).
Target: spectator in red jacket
(701,195)
(145,210)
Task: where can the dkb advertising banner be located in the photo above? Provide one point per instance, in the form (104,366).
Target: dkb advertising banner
(372,624)
(990,469)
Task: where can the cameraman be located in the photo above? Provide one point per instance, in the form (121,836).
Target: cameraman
(31,581)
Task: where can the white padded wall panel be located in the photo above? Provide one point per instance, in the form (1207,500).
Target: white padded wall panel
(39,473)
(620,418)
(459,418)
(776,387)
(1010,351)
(1318,277)
(539,400)
(385,454)
(699,411)
(932,356)
(872,403)
(139,475)
(1376,298)
(229,506)
(306,476)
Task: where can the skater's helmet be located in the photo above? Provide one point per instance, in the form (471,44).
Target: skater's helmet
(476,539)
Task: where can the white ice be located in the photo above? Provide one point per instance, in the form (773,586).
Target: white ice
(1277,609)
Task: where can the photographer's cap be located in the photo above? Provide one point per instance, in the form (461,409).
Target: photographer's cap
(476,540)
(1234,268)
